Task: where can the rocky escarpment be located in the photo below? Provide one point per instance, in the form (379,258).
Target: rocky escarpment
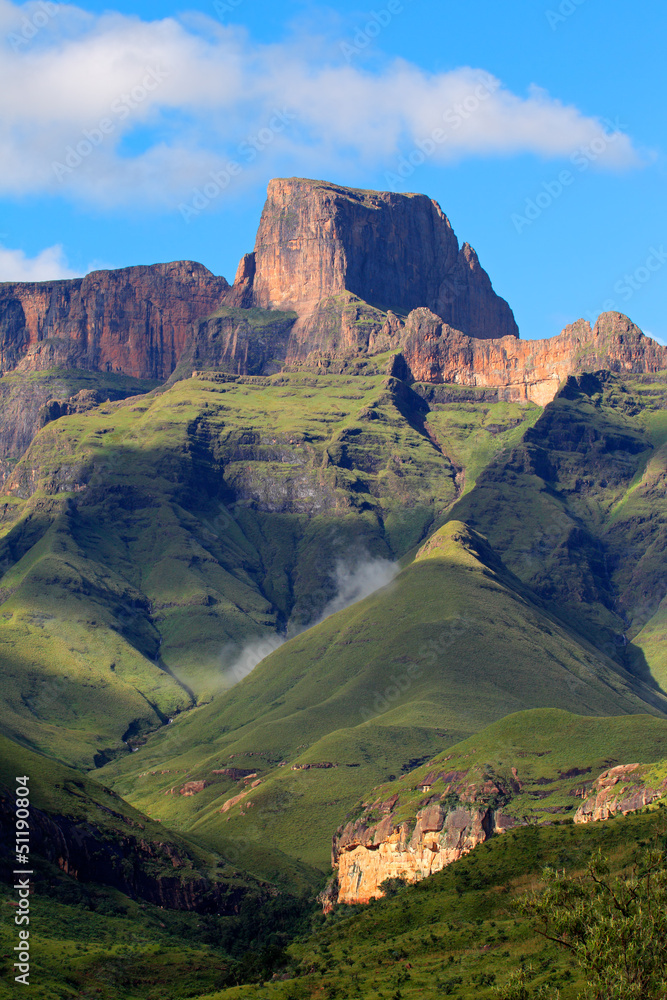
(421,829)
(158,872)
(526,369)
(622,789)
(387,841)
(135,320)
(395,251)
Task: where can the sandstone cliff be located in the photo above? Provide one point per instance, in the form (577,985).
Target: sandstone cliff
(394,251)
(135,320)
(622,789)
(440,815)
(336,274)
(526,369)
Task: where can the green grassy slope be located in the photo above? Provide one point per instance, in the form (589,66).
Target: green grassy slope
(577,509)
(454,934)
(70,812)
(148,541)
(652,640)
(457,933)
(545,758)
(453,644)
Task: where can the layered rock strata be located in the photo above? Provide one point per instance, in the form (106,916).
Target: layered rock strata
(623,790)
(366,857)
(136,320)
(388,841)
(526,369)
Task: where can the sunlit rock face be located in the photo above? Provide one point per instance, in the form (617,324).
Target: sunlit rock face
(135,321)
(394,251)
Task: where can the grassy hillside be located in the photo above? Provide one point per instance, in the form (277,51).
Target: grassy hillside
(146,542)
(577,509)
(453,644)
(547,760)
(105,839)
(457,933)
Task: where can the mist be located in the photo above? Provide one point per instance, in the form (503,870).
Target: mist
(353,580)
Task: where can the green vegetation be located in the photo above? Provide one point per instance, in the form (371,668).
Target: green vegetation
(147,541)
(577,511)
(614,925)
(460,933)
(453,644)
(543,759)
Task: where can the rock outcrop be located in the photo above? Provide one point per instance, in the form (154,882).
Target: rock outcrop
(336,274)
(394,251)
(424,827)
(526,369)
(622,789)
(136,320)
(161,873)
(368,856)
(383,843)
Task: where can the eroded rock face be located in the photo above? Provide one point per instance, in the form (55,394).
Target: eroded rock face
(135,320)
(378,845)
(395,251)
(456,811)
(439,837)
(526,369)
(161,873)
(622,789)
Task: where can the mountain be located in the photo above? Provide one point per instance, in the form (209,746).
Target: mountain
(454,643)
(582,514)
(146,542)
(336,273)
(396,252)
(348,460)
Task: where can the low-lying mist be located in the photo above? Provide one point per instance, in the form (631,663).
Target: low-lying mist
(353,581)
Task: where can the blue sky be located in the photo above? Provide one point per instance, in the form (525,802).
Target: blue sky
(142,132)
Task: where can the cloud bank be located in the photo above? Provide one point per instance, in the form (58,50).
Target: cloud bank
(113,110)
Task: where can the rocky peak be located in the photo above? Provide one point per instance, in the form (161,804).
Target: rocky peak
(394,251)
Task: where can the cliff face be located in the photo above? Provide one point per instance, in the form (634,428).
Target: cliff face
(160,873)
(622,789)
(135,320)
(411,837)
(380,844)
(394,251)
(367,856)
(526,369)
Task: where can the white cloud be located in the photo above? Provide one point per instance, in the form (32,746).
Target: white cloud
(111,109)
(48,265)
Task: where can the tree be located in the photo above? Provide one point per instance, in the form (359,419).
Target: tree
(615,926)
